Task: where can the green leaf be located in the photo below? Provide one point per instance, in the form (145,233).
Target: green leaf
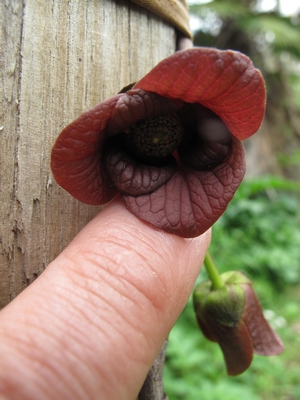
(224,9)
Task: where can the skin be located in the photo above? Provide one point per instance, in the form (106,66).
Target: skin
(91,325)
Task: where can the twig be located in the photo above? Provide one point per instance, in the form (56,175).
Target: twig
(153,388)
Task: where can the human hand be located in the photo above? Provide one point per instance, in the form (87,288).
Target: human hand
(92,324)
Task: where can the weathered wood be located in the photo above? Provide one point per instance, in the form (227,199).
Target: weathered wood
(57,59)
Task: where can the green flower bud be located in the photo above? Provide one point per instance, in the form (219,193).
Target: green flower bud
(226,305)
(232,316)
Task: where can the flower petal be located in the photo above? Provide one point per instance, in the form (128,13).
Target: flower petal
(205,329)
(136,104)
(265,340)
(76,158)
(224,81)
(236,345)
(133,178)
(191,201)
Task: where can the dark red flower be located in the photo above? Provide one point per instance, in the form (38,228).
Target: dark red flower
(182,181)
(232,316)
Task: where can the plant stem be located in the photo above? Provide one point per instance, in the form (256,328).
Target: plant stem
(153,388)
(213,273)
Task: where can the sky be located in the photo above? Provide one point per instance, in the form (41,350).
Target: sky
(287,7)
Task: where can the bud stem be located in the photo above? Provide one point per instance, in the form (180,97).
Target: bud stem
(213,273)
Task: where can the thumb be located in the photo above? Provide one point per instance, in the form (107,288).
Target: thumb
(91,325)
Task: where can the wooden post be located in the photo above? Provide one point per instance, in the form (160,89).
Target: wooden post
(57,59)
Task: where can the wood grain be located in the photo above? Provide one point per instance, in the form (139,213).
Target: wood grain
(57,59)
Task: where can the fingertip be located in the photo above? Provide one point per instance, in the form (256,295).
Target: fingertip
(161,267)
(109,300)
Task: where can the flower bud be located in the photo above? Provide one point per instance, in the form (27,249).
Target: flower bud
(232,317)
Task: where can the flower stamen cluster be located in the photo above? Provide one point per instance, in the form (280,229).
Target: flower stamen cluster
(158,136)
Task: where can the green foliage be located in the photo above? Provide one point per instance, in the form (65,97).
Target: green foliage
(224,9)
(270,39)
(259,235)
(283,31)
(295,83)
(289,159)
(261,229)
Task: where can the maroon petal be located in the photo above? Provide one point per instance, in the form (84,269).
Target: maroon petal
(206,329)
(236,345)
(192,201)
(207,140)
(224,81)
(77,159)
(265,340)
(133,178)
(137,104)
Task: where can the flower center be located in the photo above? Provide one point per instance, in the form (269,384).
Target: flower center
(158,136)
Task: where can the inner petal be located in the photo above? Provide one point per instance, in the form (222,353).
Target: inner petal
(207,140)
(136,105)
(192,200)
(134,178)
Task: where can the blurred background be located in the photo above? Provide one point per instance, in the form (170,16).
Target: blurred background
(259,234)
